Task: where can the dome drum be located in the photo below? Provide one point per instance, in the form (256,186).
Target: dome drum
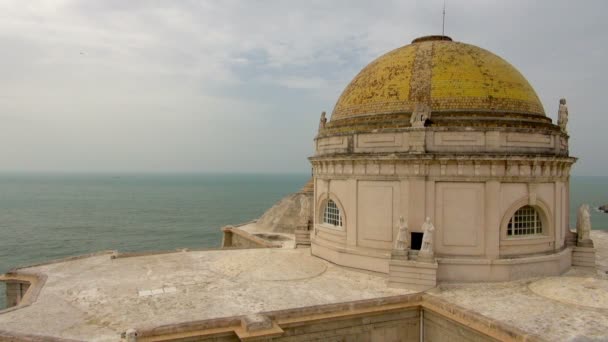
(464,141)
(397,121)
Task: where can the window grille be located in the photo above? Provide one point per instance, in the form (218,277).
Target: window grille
(332,214)
(525,221)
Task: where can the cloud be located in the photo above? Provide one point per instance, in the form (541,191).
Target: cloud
(301,82)
(173,85)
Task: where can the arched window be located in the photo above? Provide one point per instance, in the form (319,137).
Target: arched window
(525,221)
(331,215)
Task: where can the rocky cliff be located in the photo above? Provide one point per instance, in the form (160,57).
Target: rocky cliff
(290,212)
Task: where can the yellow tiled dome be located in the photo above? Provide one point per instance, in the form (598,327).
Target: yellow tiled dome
(449,76)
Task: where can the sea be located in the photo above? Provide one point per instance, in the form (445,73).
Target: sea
(51,216)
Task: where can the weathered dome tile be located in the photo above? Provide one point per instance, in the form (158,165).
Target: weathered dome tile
(449,76)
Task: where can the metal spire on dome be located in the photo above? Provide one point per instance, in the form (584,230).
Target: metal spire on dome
(443,21)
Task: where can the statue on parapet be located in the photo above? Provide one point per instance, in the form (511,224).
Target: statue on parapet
(322,121)
(402,245)
(426,250)
(562,115)
(583,227)
(420,116)
(402,242)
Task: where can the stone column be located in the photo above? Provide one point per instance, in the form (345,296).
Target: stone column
(559,231)
(350,204)
(566,196)
(404,201)
(417,204)
(492,219)
(430,200)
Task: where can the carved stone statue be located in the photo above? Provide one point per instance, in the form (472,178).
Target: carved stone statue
(426,250)
(322,121)
(421,114)
(402,242)
(562,115)
(583,227)
(427,239)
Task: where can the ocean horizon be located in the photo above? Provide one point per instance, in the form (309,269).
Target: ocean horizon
(45,216)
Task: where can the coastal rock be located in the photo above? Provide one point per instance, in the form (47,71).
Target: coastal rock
(604,208)
(290,212)
(286,224)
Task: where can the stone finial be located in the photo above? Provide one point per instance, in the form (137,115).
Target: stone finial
(130,335)
(583,227)
(426,250)
(562,115)
(420,116)
(402,242)
(322,121)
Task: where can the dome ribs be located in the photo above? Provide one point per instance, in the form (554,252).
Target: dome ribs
(445,75)
(420,84)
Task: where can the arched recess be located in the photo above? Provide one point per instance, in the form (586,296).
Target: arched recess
(321,205)
(527,244)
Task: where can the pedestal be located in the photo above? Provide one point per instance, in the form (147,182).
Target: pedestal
(583,256)
(417,141)
(426,256)
(400,254)
(412,275)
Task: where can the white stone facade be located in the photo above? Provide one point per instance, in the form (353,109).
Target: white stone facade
(469,182)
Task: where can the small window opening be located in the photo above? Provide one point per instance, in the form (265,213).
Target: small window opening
(332,214)
(525,221)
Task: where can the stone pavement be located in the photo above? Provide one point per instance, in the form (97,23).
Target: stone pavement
(97,298)
(571,307)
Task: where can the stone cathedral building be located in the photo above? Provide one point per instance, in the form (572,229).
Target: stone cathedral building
(437,211)
(449,131)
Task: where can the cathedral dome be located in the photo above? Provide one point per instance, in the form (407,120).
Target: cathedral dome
(449,77)
(448,143)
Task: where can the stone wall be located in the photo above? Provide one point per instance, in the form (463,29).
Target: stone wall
(469,200)
(399,326)
(403,318)
(239,241)
(452,140)
(15,292)
(236,238)
(440,329)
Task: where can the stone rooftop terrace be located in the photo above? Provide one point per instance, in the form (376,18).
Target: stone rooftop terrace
(102,297)
(571,307)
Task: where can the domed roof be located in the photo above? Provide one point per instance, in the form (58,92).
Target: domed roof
(434,70)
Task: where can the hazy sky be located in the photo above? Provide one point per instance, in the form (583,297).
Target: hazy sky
(128,86)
